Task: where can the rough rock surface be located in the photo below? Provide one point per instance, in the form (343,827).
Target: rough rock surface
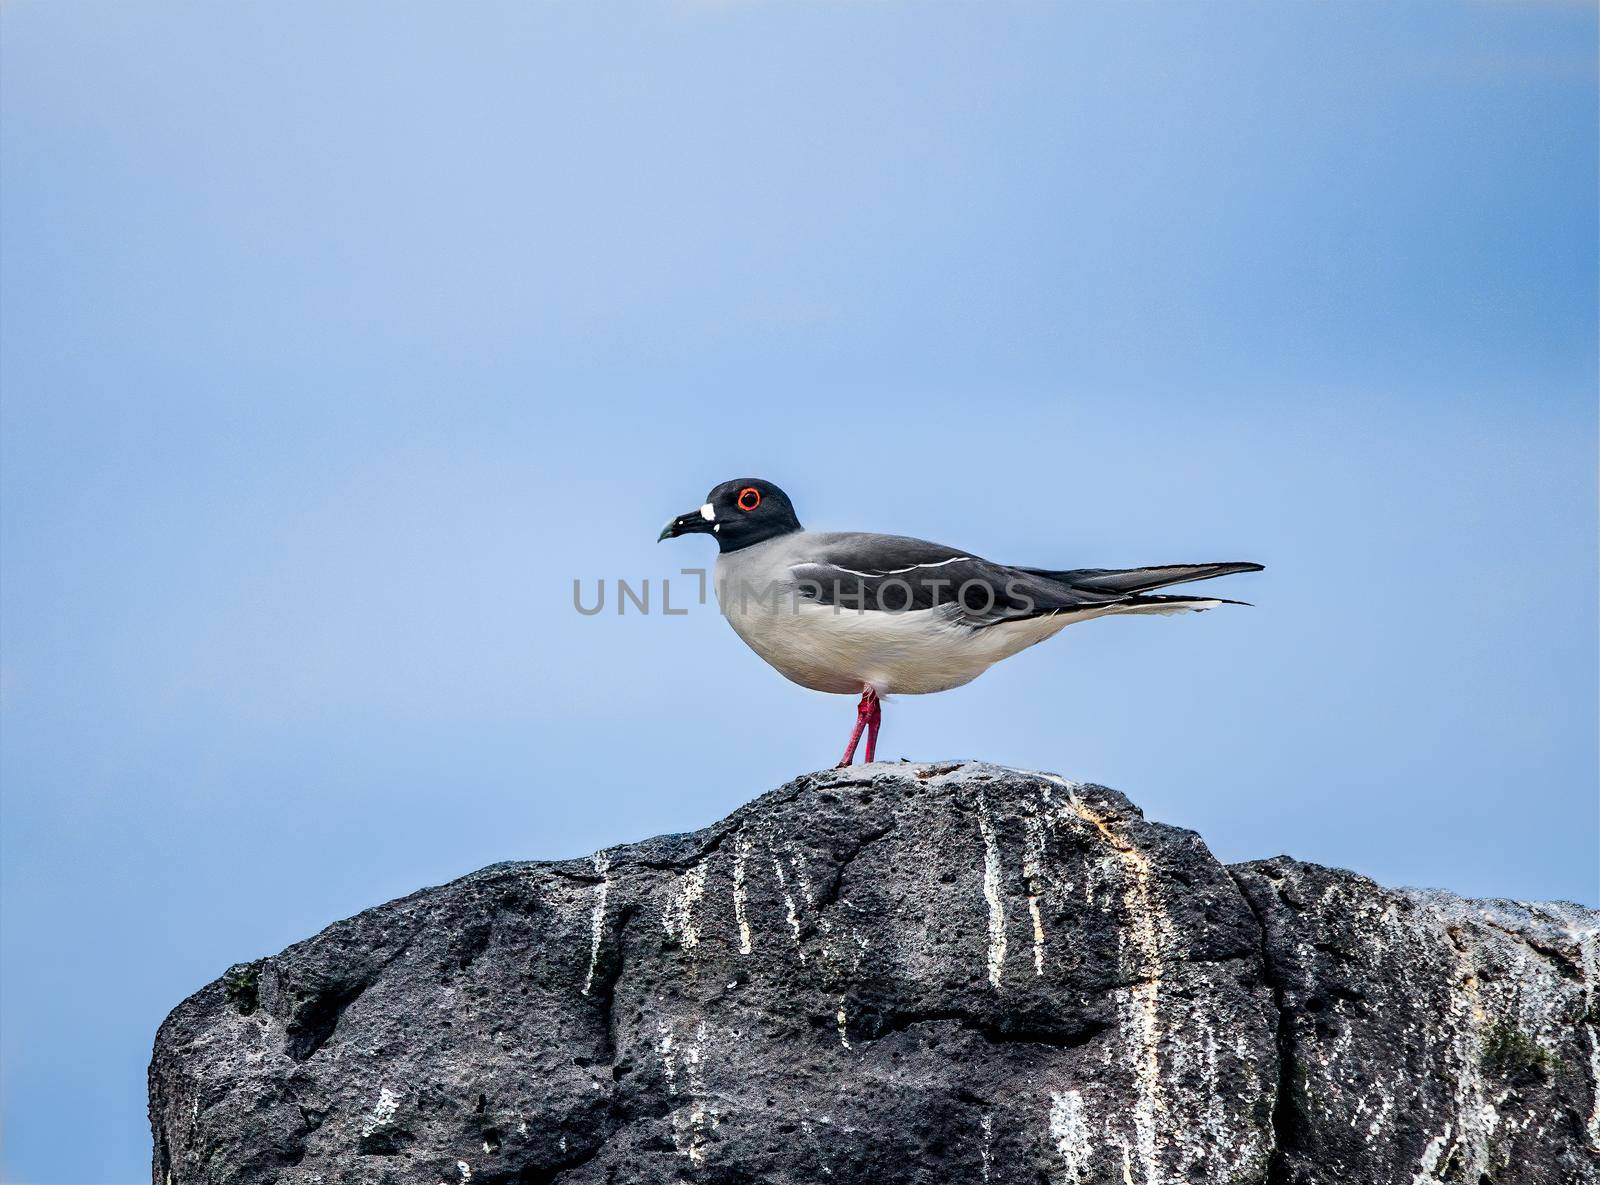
(1427,1038)
(900,973)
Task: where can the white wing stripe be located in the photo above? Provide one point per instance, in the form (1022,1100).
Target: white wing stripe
(955,559)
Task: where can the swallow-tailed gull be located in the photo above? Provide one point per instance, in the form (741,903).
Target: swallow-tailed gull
(876,615)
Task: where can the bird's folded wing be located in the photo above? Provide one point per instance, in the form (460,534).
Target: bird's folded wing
(890,574)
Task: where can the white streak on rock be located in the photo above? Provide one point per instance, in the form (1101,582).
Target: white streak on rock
(597,919)
(1070,1134)
(1586,941)
(985,1149)
(664,1049)
(797,863)
(703,1118)
(844,1034)
(677,916)
(741,851)
(991,892)
(1476,1117)
(788,907)
(691,1124)
(1141,1021)
(1033,877)
(1140,944)
(1430,1159)
(797,866)
(388,1103)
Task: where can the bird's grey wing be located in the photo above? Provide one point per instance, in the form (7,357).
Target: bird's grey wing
(892,574)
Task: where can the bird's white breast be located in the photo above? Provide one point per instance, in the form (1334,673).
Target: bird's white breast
(838,649)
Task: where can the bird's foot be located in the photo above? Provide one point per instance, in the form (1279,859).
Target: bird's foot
(869,714)
(874,719)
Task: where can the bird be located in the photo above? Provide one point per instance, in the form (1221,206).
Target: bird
(851,613)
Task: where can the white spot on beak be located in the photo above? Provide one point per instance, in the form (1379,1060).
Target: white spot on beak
(707,513)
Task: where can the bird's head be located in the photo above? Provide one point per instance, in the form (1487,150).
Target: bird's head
(738,513)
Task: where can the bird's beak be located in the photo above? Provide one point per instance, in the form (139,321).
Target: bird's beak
(701,520)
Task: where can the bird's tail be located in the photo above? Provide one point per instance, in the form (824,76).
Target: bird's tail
(1143,604)
(1129,581)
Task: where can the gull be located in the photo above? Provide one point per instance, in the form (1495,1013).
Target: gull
(876,615)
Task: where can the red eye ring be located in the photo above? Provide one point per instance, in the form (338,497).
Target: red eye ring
(749,498)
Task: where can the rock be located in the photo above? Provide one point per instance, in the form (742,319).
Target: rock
(897,974)
(1426,1038)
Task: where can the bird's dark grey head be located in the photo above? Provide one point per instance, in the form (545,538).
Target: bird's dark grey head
(738,513)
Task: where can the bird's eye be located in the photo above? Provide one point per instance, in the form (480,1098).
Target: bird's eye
(749,498)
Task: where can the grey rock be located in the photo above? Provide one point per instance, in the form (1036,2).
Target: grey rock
(1426,1038)
(899,974)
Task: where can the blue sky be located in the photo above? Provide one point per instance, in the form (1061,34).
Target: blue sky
(338,340)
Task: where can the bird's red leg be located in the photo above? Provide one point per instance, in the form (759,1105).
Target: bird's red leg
(873,720)
(864,712)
